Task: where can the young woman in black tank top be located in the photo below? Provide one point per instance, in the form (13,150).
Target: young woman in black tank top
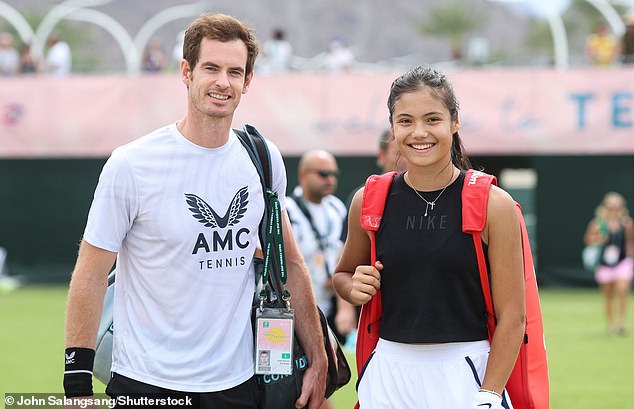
(612,228)
(433,349)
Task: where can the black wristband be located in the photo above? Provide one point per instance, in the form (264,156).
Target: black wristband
(78,372)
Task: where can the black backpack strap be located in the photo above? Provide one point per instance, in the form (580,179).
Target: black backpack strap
(258,151)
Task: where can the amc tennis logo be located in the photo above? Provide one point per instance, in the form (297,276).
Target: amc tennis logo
(221,236)
(70,359)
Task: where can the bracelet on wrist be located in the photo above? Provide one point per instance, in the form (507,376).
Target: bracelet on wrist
(78,372)
(491,392)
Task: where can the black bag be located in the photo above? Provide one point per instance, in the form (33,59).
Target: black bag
(281,391)
(338,368)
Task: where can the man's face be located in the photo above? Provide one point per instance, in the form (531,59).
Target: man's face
(319,178)
(264,359)
(218,81)
(390,159)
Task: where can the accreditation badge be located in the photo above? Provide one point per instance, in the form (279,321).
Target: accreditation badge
(319,259)
(611,254)
(274,331)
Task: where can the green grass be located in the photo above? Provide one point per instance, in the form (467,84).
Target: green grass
(588,368)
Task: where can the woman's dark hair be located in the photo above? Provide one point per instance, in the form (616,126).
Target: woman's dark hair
(219,27)
(421,77)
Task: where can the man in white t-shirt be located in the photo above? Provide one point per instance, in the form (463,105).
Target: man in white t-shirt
(58,57)
(339,58)
(278,52)
(165,210)
(9,57)
(317,218)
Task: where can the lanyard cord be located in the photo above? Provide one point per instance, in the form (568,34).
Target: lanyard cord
(321,239)
(274,237)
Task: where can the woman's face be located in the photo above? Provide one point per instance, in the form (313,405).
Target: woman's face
(614,205)
(423,128)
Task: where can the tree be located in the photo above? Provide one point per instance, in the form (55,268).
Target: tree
(453,21)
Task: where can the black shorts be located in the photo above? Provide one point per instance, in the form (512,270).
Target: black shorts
(129,393)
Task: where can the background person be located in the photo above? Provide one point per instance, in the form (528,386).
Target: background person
(58,60)
(432,304)
(278,53)
(388,157)
(339,58)
(601,46)
(154,58)
(182,301)
(9,57)
(317,217)
(7,283)
(28,63)
(612,228)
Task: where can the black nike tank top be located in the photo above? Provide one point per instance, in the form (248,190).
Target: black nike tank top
(430,284)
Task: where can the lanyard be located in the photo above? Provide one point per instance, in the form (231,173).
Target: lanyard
(322,240)
(274,237)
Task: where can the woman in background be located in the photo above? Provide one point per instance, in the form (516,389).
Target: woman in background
(612,228)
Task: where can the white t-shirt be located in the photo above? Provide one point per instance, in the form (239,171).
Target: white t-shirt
(184,221)
(9,61)
(339,59)
(328,217)
(279,55)
(59,59)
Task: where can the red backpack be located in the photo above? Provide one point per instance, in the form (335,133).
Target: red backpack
(528,385)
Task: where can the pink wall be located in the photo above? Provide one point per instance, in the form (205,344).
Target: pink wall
(502,111)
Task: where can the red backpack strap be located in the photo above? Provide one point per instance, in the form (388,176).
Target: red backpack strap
(374,197)
(475,198)
(373,204)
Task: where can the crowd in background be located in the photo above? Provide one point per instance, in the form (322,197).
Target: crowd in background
(276,56)
(602,48)
(57,61)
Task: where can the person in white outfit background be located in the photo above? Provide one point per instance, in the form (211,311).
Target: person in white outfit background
(58,57)
(317,217)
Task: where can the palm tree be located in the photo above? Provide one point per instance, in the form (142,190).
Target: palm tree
(453,21)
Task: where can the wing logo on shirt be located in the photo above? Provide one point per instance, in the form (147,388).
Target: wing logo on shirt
(206,215)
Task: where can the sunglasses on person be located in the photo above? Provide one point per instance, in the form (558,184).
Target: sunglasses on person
(325,173)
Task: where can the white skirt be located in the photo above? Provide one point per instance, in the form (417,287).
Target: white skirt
(424,376)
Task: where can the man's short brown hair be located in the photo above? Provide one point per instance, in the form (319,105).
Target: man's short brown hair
(221,27)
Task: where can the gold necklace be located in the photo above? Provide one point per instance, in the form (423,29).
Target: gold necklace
(433,202)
